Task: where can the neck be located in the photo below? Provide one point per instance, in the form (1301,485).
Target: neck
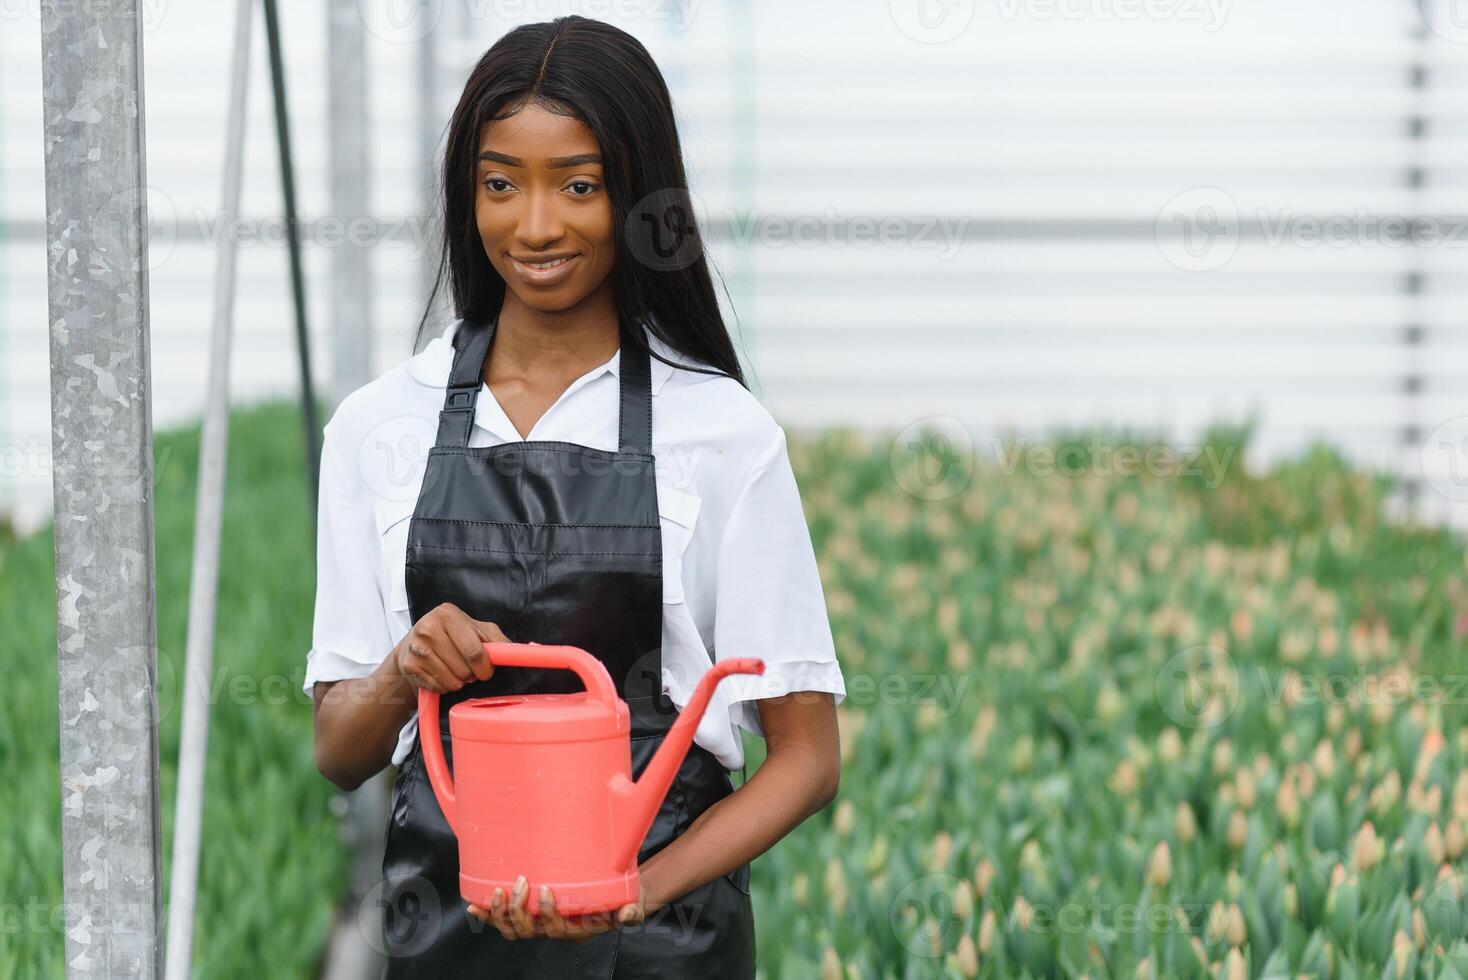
(559,343)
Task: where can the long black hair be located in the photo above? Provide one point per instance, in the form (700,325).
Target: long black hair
(604,77)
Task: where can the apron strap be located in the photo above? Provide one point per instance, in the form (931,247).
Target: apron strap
(472,341)
(634,417)
(465,379)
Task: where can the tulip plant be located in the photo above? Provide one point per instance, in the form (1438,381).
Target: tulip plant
(1129,719)
(1113,710)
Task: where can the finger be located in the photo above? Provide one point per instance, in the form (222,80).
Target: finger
(519,915)
(630,914)
(418,680)
(446,650)
(499,916)
(469,648)
(424,662)
(411,667)
(438,678)
(550,921)
(425,680)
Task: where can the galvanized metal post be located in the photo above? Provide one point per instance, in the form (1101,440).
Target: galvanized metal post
(350,152)
(429,124)
(350,157)
(1415,331)
(188,818)
(102,475)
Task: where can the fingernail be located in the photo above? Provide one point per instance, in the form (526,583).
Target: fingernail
(545,896)
(497,899)
(519,886)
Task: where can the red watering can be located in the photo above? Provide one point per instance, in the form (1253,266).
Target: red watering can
(542,783)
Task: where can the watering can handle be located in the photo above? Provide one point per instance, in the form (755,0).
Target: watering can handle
(588,668)
(593,675)
(433,760)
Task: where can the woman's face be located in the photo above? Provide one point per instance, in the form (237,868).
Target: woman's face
(541,199)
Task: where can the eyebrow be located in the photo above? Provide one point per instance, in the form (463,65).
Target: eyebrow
(555,163)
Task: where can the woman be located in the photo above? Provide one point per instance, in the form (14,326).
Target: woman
(587,336)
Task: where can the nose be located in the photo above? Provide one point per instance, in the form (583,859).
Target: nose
(540,225)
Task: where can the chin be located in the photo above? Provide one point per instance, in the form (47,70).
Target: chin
(548,301)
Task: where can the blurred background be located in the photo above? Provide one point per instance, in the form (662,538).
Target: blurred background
(1123,345)
(1032,213)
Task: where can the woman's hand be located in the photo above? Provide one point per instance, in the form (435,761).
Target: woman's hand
(445,649)
(514,920)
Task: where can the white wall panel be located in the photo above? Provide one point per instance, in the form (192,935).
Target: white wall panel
(1051,145)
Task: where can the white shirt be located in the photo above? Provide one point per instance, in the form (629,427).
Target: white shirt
(739,572)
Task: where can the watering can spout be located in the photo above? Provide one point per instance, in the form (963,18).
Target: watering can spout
(637,803)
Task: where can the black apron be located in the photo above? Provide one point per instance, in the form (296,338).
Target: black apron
(556,543)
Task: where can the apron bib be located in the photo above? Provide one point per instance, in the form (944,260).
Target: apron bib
(556,543)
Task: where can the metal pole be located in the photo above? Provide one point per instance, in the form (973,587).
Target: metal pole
(102,478)
(428,129)
(349,152)
(744,151)
(350,155)
(9,499)
(293,235)
(1415,331)
(208,523)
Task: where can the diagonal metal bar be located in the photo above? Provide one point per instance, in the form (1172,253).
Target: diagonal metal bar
(293,238)
(208,525)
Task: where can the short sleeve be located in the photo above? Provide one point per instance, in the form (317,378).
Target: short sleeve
(349,633)
(770,603)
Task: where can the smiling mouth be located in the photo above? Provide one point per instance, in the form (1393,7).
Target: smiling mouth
(551,264)
(546,273)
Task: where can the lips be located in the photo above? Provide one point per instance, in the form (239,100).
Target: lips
(545,270)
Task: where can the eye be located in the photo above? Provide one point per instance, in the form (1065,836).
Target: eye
(491,182)
(590,187)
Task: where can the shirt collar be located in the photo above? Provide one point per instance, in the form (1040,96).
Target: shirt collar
(431,365)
